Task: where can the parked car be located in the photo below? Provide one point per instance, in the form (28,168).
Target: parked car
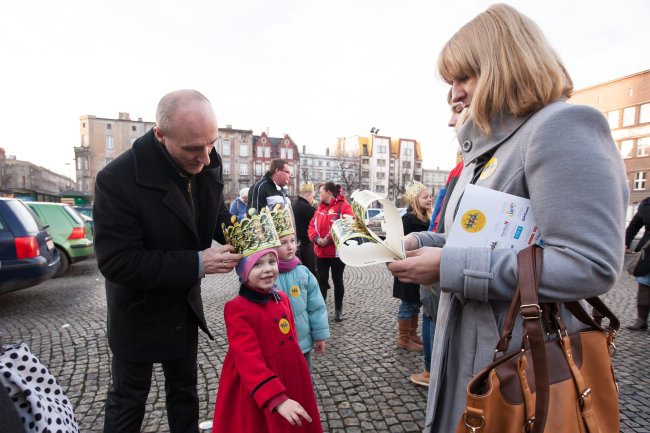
(27,254)
(86,213)
(72,235)
(374,223)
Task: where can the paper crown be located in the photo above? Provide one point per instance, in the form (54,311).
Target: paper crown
(252,234)
(412,190)
(282,220)
(307,187)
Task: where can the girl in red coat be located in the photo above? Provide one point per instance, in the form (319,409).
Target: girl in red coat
(333,206)
(265,384)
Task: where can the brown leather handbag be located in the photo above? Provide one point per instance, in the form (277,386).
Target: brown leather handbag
(557,382)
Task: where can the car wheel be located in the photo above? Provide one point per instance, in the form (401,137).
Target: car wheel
(65,263)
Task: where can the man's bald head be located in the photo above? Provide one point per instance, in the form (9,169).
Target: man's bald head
(177,102)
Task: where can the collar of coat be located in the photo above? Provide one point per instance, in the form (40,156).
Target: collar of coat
(503,127)
(152,165)
(257,296)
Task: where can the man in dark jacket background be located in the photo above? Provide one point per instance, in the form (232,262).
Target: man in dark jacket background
(157,208)
(640,219)
(270,188)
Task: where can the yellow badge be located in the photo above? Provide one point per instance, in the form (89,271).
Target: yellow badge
(284,326)
(295,291)
(489,168)
(473,221)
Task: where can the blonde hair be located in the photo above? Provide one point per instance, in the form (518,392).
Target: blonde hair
(516,69)
(421,214)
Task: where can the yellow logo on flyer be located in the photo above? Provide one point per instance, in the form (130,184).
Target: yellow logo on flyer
(284,326)
(473,221)
(295,291)
(489,168)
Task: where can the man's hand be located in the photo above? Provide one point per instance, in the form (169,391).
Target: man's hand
(220,260)
(319,346)
(421,266)
(410,242)
(292,411)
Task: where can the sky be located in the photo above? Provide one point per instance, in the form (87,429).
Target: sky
(316,70)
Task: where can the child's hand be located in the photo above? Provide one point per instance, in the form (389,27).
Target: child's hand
(292,411)
(319,346)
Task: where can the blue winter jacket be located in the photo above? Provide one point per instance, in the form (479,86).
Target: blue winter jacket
(309,310)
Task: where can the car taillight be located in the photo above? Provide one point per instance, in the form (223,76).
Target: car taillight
(78,233)
(26,247)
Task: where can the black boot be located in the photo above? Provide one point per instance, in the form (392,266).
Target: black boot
(641,323)
(338,315)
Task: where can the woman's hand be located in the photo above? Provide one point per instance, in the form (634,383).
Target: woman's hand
(421,266)
(410,242)
(292,411)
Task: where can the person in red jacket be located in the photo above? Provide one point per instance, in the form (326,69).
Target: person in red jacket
(265,385)
(333,206)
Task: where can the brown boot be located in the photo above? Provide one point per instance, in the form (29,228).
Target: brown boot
(403,339)
(420,378)
(413,335)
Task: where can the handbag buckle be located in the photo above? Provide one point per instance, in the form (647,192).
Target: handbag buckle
(528,427)
(472,427)
(536,313)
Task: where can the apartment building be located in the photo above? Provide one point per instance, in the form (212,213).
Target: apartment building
(236,149)
(341,170)
(30,181)
(434,179)
(101,141)
(626,104)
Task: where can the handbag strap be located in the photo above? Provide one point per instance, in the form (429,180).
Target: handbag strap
(530,268)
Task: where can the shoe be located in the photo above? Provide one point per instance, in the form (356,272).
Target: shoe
(338,316)
(420,378)
(638,325)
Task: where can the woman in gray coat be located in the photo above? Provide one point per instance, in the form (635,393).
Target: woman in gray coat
(521,138)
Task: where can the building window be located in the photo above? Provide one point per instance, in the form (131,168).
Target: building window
(133,128)
(109,142)
(381,149)
(226,147)
(226,167)
(260,151)
(381,162)
(243,150)
(644,113)
(267,152)
(108,126)
(629,115)
(626,148)
(612,118)
(643,146)
(290,153)
(283,153)
(258,169)
(639,180)
(243,169)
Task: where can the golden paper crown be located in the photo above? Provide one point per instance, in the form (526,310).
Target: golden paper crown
(282,220)
(412,190)
(252,234)
(307,187)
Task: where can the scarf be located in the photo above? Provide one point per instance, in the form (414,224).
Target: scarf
(288,265)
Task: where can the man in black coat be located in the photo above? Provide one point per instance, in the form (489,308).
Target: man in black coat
(270,190)
(157,208)
(640,219)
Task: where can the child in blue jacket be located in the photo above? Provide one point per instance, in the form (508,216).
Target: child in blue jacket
(301,286)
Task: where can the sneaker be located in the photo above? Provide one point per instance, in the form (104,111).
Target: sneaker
(420,378)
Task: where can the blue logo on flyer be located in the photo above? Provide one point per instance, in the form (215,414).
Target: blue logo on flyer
(511,209)
(518,232)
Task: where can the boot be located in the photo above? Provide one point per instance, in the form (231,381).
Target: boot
(338,315)
(420,378)
(641,322)
(403,339)
(413,334)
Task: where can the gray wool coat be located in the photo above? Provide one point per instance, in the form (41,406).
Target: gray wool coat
(562,158)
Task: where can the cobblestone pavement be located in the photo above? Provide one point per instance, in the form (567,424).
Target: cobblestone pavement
(361,379)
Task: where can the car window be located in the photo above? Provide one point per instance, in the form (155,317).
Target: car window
(74,214)
(24,215)
(3,225)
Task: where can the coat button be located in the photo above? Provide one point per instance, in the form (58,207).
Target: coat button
(179,328)
(466,146)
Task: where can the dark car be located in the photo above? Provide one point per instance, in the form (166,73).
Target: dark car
(27,253)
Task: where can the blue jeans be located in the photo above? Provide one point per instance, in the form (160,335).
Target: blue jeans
(428,331)
(408,310)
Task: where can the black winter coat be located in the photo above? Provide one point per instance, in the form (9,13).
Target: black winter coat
(409,292)
(640,219)
(303,212)
(147,240)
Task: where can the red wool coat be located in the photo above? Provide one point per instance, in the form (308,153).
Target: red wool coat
(263,362)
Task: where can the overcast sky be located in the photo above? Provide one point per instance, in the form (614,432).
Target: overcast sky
(316,70)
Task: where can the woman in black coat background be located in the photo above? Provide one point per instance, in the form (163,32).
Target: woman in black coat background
(416,219)
(640,219)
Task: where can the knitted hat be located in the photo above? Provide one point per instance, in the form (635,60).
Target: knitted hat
(246,264)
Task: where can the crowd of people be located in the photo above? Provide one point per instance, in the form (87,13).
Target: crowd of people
(160,205)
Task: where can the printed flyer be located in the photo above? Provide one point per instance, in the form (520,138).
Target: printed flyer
(494,219)
(359,246)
